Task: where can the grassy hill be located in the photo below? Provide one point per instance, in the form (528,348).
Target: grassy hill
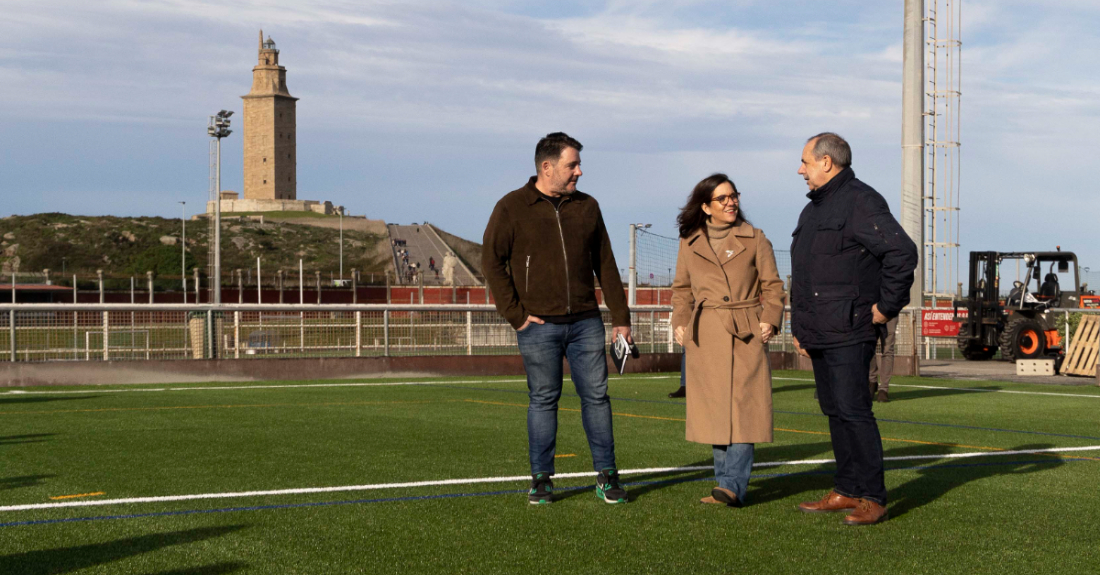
(124,247)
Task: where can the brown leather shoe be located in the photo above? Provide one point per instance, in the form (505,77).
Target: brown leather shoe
(709,499)
(868,513)
(882,396)
(723,495)
(832,502)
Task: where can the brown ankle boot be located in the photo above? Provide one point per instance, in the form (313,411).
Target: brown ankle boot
(832,501)
(868,513)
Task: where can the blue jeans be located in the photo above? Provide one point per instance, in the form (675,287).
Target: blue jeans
(841,376)
(732,466)
(683,369)
(543,346)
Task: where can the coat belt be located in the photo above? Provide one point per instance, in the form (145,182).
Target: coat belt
(734,316)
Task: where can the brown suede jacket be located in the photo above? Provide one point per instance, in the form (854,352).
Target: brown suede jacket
(539,260)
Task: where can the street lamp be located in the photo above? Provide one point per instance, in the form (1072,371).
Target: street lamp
(183,256)
(632,279)
(218,129)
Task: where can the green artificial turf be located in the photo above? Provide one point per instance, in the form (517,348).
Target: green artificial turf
(1023,513)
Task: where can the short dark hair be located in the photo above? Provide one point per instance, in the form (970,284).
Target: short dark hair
(692,217)
(832,145)
(551,147)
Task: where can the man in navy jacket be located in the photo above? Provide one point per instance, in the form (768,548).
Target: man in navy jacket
(851,270)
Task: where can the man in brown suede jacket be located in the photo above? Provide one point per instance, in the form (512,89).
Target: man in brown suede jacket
(543,248)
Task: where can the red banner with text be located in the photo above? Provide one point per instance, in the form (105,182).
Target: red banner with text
(941,322)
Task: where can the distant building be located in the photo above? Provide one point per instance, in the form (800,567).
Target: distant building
(270,154)
(270,145)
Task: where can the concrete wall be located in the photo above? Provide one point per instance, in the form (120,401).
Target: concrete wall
(260,205)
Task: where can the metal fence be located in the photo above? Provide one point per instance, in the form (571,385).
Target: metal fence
(97,332)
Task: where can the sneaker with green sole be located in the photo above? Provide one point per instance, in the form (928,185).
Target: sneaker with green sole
(542,489)
(607,487)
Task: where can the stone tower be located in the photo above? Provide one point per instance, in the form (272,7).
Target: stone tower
(270,155)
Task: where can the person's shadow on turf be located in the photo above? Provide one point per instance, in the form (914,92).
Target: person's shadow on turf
(934,481)
(911,394)
(79,557)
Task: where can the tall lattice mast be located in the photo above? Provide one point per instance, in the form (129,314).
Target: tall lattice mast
(943,48)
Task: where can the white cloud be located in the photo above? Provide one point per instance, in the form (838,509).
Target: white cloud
(402,97)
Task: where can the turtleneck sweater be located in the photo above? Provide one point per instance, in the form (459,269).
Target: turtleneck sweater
(716,233)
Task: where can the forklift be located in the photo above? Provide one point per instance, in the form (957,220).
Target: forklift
(1018,325)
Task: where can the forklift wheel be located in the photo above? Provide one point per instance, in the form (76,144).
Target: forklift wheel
(1023,339)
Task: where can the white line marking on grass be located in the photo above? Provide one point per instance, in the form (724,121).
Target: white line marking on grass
(965,389)
(296,385)
(507,479)
(997,390)
(286,386)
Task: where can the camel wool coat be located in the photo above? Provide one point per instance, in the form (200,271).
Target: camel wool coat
(721,297)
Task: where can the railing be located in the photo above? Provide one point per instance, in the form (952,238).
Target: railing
(946,348)
(100,332)
(95,332)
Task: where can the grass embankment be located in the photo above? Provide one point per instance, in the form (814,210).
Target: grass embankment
(124,247)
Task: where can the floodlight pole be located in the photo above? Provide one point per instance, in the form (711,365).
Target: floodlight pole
(183,255)
(341,212)
(219,128)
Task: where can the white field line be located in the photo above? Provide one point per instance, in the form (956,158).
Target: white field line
(506,479)
(295,385)
(967,389)
(997,390)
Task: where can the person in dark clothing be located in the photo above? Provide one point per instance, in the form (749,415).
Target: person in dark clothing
(682,390)
(544,247)
(851,270)
(882,368)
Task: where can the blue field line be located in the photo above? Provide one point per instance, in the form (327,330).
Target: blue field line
(1047,461)
(668,402)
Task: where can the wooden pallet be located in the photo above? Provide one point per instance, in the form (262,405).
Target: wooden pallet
(1083,353)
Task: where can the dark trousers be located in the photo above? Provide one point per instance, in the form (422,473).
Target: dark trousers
(842,391)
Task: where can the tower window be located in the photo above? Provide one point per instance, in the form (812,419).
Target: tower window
(265,180)
(265,160)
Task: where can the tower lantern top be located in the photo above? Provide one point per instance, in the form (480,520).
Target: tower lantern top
(269,55)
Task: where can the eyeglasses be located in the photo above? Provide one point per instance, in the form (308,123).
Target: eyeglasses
(721,200)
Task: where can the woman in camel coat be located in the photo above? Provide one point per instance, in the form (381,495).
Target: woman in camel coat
(727,303)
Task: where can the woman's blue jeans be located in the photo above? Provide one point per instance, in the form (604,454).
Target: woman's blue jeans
(543,346)
(732,466)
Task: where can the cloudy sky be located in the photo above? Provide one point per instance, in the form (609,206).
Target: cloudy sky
(425,110)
